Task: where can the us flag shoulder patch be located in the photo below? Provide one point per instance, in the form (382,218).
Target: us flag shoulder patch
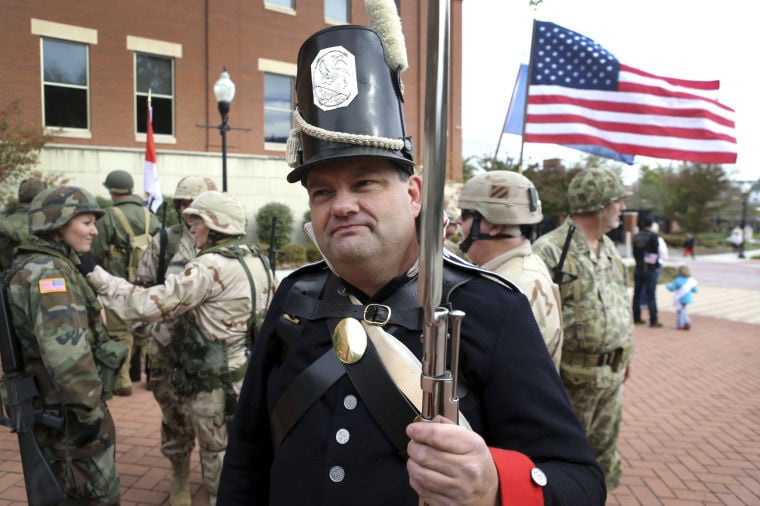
(52,285)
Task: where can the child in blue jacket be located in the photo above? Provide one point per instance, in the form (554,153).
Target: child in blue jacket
(683,285)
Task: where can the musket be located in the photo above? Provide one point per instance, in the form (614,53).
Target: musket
(163,239)
(272,250)
(23,404)
(558,274)
(438,380)
(439,377)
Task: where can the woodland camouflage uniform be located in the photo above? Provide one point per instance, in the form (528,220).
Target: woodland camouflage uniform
(598,329)
(110,250)
(56,316)
(213,295)
(14,228)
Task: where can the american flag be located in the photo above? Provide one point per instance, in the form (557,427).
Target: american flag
(581,95)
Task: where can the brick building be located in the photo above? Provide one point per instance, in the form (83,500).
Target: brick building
(82,70)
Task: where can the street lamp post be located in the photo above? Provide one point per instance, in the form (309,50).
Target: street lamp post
(745,193)
(224,91)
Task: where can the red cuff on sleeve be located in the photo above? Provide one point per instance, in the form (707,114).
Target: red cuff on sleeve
(515,484)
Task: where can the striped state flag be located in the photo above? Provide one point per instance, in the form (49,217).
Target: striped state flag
(581,96)
(153,197)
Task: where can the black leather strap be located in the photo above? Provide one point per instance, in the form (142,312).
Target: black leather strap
(308,386)
(305,306)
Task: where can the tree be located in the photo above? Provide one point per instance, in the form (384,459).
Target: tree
(283,228)
(691,194)
(20,146)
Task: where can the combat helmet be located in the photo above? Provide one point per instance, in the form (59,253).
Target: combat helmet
(54,207)
(503,197)
(29,188)
(189,187)
(119,182)
(592,189)
(221,212)
(349,96)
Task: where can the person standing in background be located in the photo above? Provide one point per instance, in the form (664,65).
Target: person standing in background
(684,285)
(111,249)
(16,225)
(500,210)
(220,297)
(690,247)
(65,346)
(646,247)
(597,349)
(177,431)
(662,256)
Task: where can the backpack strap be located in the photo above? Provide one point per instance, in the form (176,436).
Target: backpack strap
(125,223)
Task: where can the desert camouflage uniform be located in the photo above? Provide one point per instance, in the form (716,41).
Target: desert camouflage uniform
(529,273)
(111,232)
(177,433)
(214,290)
(56,316)
(597,320)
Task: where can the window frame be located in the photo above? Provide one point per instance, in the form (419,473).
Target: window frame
(337,21)
(157,49)
(281,69)
(172,98)
(71,34)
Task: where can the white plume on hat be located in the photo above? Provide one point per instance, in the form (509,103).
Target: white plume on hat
(384,19)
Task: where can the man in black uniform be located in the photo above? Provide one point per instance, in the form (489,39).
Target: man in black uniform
(309,429)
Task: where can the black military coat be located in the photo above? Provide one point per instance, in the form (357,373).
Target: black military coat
(337,453)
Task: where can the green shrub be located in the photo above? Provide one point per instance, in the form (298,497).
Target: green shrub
(312,253)
(283,229)
(293,255)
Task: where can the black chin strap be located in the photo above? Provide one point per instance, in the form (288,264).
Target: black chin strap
(475,234)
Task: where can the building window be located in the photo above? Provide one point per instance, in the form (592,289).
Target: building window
(288,4)
(278,106)
(338,11)
(154,74)
(66,84)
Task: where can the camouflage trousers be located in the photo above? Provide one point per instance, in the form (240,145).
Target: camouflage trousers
(92,480)
(597,398)
(87,474)
(177,431)
(211,428)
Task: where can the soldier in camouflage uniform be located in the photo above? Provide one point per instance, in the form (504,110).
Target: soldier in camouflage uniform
(56,316)
(15,227)
(499,211)
(177,433)
(217,296)
(598,344)
(111,250)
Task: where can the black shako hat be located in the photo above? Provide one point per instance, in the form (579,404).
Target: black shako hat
(349,102)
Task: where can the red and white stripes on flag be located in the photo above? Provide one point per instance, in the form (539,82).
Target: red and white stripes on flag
(153,198)
(580,94)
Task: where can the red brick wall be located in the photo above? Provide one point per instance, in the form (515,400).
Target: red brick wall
(213,34)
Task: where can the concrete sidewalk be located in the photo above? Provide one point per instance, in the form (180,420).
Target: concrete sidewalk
(691,427)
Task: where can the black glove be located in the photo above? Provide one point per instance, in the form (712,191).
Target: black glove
(85,433)
(86,264)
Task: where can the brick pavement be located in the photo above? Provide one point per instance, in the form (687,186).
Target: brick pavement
(690,436)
